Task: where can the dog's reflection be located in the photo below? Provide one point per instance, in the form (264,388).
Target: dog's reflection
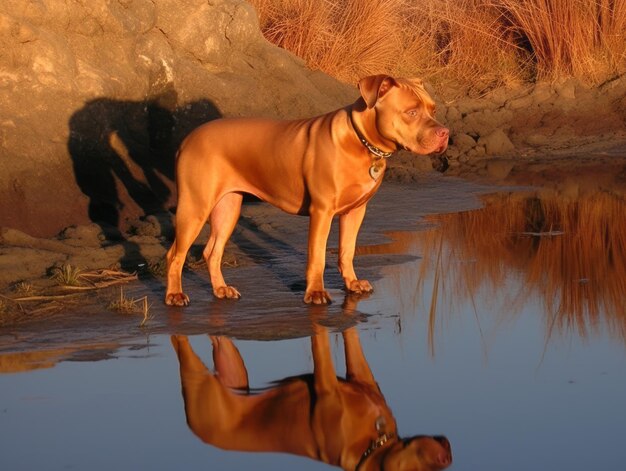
(342,422)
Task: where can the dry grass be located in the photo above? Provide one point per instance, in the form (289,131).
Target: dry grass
(126,305)
(23,288)
(580,38)
(329,35)
(478,44)
(67,275)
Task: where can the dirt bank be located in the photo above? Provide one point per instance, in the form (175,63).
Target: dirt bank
(95,98)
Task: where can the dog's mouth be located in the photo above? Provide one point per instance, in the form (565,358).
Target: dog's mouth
(425,150)
(435,143)
(442,148)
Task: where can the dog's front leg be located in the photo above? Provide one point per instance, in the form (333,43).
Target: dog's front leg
(328,413)
(319,228)
(349,225)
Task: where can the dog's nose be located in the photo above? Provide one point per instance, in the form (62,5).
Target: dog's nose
(444,459)
(442,132)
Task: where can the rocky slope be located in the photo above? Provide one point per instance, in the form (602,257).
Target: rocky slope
(95,97)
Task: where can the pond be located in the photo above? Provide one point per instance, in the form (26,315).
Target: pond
(500,327)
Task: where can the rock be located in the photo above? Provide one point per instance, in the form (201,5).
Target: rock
(485,121)
(463,142)
(522,102)
(496,143)
(471,105)
(452,115)
(90,235)
(542,92)
(452,152)
(96,96)
(499,169)
(498,96)
(537,140)
(153,226)
(566,89)
(478,152)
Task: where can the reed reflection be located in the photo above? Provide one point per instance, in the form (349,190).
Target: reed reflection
(568,253)
(344,422)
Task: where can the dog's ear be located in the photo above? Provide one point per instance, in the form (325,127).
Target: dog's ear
(374,87)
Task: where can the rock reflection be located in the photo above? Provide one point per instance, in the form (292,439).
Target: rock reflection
(18,362)
(568,253)
(342,422)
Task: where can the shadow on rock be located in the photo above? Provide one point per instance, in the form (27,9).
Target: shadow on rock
(123,156)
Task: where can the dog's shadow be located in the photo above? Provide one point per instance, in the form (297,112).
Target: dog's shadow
(284,252)
(123,157)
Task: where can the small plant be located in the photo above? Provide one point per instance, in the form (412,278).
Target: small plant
(23,288)
(145,307)
(67,275)
(127,305)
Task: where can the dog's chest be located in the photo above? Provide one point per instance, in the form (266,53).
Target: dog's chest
(359,191)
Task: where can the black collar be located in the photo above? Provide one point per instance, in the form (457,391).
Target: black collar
(369,146)
(374,445)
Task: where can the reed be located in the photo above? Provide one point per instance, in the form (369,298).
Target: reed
(127,305)
(67,275)
(580,38)
(475,44)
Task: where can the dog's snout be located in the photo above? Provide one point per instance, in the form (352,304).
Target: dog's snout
(443,441)
(444,458)
(442,132)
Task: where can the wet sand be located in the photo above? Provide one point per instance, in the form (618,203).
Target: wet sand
(267,254)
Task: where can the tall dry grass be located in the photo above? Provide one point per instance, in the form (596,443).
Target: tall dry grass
(478,44)
(580,38)
(345,38)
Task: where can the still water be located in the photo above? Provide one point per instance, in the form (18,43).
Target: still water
(502,328)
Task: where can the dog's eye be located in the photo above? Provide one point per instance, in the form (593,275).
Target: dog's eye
(412,113)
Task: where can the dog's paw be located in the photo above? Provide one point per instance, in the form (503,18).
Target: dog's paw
(359,287)
(317,297)
(177,299)
(228,292)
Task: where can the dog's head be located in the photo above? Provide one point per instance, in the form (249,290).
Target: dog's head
(422,453)
(404,113)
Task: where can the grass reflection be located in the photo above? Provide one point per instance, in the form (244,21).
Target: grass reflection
(570,254)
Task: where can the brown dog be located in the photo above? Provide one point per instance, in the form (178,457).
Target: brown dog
(344,423)
(321,167)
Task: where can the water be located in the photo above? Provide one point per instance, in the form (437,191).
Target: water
(502,328)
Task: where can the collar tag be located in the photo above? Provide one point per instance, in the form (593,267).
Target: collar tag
(376,169)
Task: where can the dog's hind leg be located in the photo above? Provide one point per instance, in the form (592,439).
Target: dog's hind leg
(223,221)
(191,215)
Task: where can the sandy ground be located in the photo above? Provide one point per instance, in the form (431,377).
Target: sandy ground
(265,260)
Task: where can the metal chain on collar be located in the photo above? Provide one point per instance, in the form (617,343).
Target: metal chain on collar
(383,438)
(369,146)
